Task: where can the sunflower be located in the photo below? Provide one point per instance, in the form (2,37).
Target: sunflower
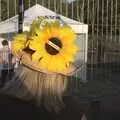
(18,44)
(54,47)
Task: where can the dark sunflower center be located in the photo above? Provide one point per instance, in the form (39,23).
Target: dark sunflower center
(53,46)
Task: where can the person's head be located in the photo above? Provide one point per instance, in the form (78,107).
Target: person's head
(5,43)
(46,58)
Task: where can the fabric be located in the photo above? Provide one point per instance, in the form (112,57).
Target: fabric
(16,109)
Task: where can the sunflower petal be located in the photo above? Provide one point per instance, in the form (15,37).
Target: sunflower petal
(36,56)
(70,48)
(59,63)
(67,35)
(40,34)
(68,57)
(45,62)
(18,43)
(36,45)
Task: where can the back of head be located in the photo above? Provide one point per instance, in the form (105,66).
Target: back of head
(5,43)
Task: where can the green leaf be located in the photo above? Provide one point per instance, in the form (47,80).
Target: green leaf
(36,25)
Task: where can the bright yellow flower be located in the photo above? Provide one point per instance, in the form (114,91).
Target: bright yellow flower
(54,47)
(18,43)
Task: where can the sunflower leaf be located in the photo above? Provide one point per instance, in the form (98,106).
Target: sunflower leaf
(36,25)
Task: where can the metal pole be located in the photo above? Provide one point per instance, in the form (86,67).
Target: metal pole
(0,10)
(20,16)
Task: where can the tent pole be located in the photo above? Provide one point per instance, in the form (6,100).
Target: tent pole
(20,16)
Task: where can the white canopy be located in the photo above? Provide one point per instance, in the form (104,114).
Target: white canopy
(11,25)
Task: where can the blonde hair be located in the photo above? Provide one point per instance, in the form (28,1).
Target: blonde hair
(44,89)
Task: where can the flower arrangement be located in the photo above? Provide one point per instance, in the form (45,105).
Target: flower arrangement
(52,44)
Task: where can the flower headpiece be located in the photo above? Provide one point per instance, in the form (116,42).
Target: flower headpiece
(48,46)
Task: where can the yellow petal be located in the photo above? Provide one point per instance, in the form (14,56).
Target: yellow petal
(55,32)
(18,43)
(70,48)
(68,57)
(50,66)
(59,63)
(36,56)
(36,45)
(40,34)
(44,62)
(67,35)
(47,33)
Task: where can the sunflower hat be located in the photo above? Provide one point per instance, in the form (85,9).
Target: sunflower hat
(47,47)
